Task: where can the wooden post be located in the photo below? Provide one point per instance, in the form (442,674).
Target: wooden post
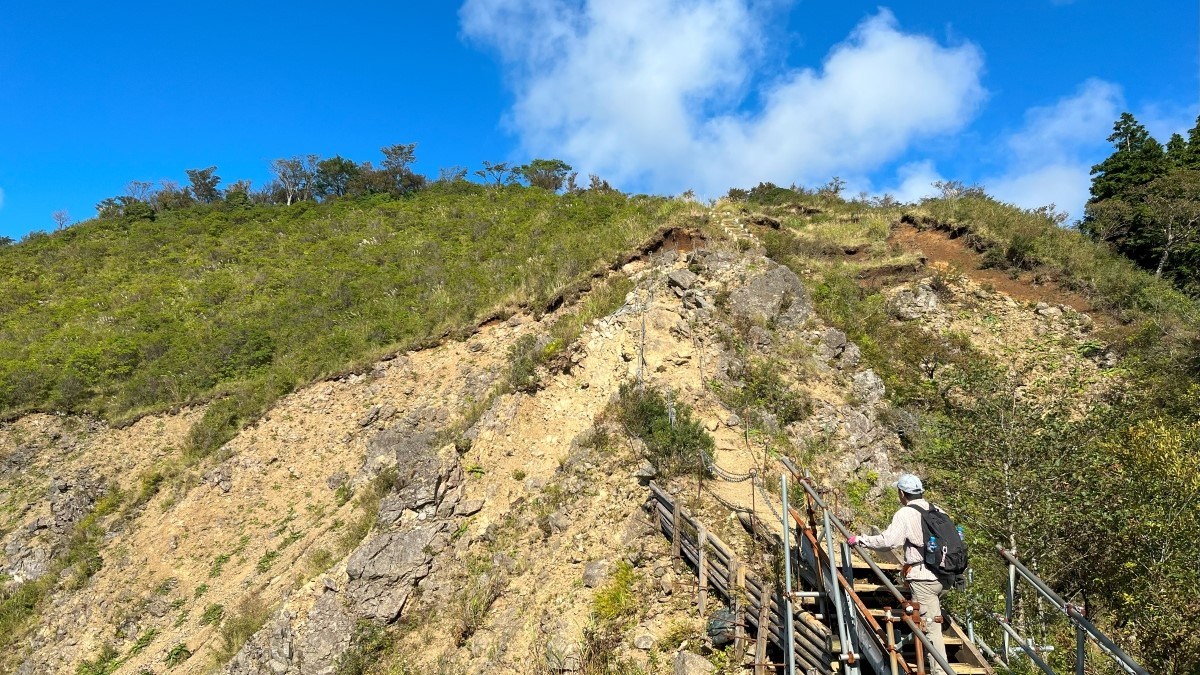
(739,610)
(702,565)
(764,630)
(675,530)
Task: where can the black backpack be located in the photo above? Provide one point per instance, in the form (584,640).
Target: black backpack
(943,547)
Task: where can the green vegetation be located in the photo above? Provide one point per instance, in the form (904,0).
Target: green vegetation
(615,609)
(674,442)
(237,627)
(123,315)
(764,389)
(212,614)
(1146,202)
(1094,492)
(177,655)
(106,662)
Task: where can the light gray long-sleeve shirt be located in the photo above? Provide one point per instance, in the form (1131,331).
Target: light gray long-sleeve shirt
(905,527)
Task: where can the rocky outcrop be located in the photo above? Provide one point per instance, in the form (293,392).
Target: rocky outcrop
(777,294)
(379,578)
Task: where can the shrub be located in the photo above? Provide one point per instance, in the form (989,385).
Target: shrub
(674,442)
(212,614)
(764,388)
(249,616)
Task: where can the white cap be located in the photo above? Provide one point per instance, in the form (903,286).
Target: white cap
(910,484)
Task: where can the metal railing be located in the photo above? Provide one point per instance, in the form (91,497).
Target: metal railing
(885,639)
(1084,628)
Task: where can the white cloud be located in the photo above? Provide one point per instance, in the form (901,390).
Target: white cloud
(1051,156)
(651,92)
(916,181)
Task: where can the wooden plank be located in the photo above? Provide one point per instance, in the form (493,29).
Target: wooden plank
(702,568)
(676,534)
(739,612)
(760,649)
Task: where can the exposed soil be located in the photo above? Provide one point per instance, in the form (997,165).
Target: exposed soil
(941,246)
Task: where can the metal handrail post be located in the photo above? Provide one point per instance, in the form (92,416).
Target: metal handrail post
(926,643)
(1009,601)
(1079,650)
(1022,643)
(1107,645)
(847,655)
(787,576)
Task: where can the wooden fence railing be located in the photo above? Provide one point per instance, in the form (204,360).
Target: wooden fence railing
(756,604)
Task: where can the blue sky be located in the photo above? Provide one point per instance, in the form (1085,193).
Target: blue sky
(654,95)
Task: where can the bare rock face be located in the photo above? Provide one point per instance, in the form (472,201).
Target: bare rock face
(776,294)
(384,571)
(72,499)
(322,648)
(381,575)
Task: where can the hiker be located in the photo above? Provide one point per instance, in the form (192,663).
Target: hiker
(906,532)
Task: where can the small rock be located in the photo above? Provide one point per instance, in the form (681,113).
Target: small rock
(337,480)
(562,655)
(644,640)
(469,507)
(646,472)
(370,417)
(682,279)
(733,420)
(687,663)
(595,573)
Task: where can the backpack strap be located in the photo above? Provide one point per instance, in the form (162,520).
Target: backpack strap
(919,546)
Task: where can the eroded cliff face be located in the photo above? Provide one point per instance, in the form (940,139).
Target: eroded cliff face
(388,499)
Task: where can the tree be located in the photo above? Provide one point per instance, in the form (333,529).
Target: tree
(1137,159)
(452,174)
(204,184)
(548,174)
(238,194)
(294,177)
(333,176)
(1173,201)
(1190,158)
(170,196)
(498,172)
(369,181)
(396,165)
(61,218)
(141,190)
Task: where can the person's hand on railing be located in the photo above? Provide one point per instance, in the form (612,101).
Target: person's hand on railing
(853,540)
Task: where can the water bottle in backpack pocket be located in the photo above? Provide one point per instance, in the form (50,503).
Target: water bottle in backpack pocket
(945,551)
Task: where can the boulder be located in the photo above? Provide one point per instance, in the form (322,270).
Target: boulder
(868,387)
(909,303)
(777,294)
(383,571)
(562,655)
(682,279)
(469,507)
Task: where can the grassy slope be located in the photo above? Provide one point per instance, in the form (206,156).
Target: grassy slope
(118,316)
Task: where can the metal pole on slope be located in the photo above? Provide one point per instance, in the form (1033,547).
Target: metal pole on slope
(848,657)
(787,577)
(1077,617)
(1009,600)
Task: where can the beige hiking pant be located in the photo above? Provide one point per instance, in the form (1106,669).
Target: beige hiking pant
(929,595)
